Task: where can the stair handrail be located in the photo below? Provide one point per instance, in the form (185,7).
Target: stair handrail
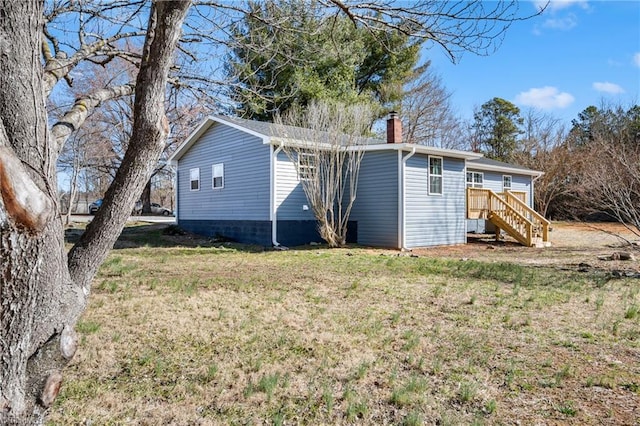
(534,214)
(523,236)
(526,223)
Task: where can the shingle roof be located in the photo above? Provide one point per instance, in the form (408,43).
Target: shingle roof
(279,130)
(274,132)
(264,128)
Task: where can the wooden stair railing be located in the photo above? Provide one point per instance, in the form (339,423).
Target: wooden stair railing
(508,213)
(504,216)
(540,224)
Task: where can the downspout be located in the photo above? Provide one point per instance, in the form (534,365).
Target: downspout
(174,166)
(400,200)
(533,181)
(403,235)
(466,201)
(274,195)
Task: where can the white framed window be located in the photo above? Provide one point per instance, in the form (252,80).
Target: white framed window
(306,164)
(475,179)
(506,182)
(194,178)
(435,175)
(217,181)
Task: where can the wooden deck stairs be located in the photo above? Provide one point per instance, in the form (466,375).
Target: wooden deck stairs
(509,212)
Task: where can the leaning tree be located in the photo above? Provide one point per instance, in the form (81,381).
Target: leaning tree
(43,290)
(43,287)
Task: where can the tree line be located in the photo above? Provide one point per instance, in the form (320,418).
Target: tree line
(592,167)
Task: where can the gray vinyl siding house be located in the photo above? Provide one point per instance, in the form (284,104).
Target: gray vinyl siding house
(249,190)
(434,219)
(493,175)
(241,206)
(376,207)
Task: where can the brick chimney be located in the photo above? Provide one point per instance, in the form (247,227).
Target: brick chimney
(394,128)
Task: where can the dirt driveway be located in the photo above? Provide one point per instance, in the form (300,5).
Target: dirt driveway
(572,244)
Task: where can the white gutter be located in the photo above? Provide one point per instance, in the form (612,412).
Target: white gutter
(533,181)
(503,169)
(174,165)
(466,200)
(402,181)
(400,200)
(274,196)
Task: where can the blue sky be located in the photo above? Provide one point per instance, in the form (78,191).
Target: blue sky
(576,54)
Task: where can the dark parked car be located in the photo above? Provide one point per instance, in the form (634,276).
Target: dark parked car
(93,207)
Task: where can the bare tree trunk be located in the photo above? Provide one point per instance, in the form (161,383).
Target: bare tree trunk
(42,290)
(146,198)
(73,188)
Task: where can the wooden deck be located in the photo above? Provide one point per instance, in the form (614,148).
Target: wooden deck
(509,211)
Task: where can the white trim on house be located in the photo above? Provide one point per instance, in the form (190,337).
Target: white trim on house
(273,208)
(176,194)
(220,174)
(400,201)
(203,127)
(423,149)
(194,177)
(305,167)
(473,182)
(403,196)
(503,169)
(466,200)
(441,175)
(504,188)
(383,146)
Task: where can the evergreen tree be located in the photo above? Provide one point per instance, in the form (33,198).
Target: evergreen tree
(291,52)
(497,126)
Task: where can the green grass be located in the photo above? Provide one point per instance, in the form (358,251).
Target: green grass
(87,327)
(224,334)
(632,312)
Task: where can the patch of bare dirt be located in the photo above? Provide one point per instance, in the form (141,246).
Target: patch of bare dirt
(573,244)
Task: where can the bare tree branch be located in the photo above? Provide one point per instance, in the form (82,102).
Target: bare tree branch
(323,143)
(150,129)
(76,116)
(59,66)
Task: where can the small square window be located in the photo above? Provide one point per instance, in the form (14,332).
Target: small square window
(194,178)
(475,179)
(306,165)
(506,183)
(435,175)
(218,175)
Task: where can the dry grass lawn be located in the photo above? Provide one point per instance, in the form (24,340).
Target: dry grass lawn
(188,332)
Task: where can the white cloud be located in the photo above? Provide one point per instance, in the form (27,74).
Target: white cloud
(614,63)
(607,87)
(560,4)
(636,59)
(564,24)
(547,97)
(556,15)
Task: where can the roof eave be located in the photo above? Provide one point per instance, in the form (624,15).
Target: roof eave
(490,168)
(423,149)
(202,128)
